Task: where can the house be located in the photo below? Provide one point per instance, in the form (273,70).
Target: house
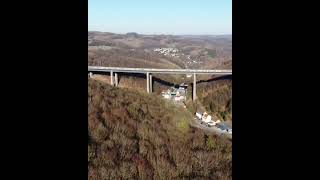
(166,95)
(183,86)
(178,98)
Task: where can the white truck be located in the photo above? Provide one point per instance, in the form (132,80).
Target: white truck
(199,115)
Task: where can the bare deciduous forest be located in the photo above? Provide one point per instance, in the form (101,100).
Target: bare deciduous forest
(217,98)
(133,135)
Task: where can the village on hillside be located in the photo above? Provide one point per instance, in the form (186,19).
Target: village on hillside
(178,95)
(174,52)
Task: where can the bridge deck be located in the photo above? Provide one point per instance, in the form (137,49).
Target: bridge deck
(162,71)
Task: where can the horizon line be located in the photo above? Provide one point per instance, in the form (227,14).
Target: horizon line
(182,34)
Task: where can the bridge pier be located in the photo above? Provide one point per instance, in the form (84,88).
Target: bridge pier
(194,90)
(116,79)
(148,72)
(111,78)
(148,82)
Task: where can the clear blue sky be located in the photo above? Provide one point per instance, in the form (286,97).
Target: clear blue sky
(161,16)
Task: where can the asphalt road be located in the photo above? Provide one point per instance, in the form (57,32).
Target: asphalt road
(211,130)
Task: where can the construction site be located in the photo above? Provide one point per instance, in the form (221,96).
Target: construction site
(177,94)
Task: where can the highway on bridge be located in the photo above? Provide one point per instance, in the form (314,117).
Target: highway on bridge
(162,71)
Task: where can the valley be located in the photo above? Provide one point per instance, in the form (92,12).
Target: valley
(138,135)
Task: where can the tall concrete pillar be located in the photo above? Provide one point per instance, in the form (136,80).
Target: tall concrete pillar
(116,79)
(194,90)
(148,82)
(111,78)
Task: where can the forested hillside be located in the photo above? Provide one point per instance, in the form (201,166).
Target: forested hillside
(133,135)
(216,97)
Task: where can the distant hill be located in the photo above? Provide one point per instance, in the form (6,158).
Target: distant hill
(132,34)
(137,50)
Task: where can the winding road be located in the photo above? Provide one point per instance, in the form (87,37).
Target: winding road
(211,130)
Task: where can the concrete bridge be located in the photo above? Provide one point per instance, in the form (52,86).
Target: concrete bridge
(149,71)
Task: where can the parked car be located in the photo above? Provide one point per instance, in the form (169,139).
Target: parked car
(222,127)
(211,123)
